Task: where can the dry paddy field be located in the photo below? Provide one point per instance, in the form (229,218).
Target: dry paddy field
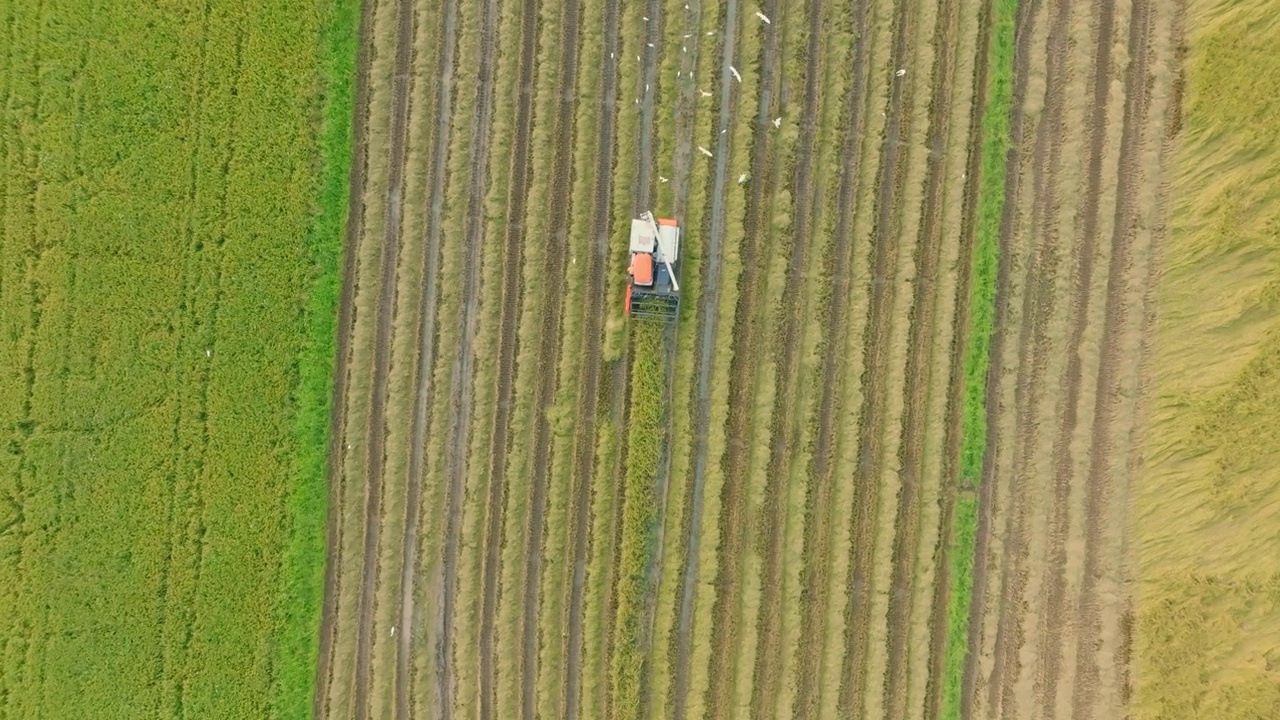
(880,467)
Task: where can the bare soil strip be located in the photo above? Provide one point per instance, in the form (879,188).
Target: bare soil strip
(423,389)
(919,364)
(346,317)
(513,247)
(1033,349)
(742,390)
(548,350)
(461,402)
(1098,488)
(708,313)
(382,354)
(585,437)
(1049,656)
(765,673)
(819,510)
(880,291)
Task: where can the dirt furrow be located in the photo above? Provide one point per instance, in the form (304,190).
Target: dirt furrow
(1033,350)
(346,318)
(708,313)
(920,364)
(1098,487)
(589,394)
(819,510)
(743,367)
(881,288)
(463,392)
(557,246)
(765,672)
(423,389)
(1050,620)
(952,437)
(377,421)
(513,253)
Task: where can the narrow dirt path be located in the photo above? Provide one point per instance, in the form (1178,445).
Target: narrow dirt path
(1033,350)
(589,389)
(513,254)
(708,313)
(819,510)
(346,318)
(382,354)
(557,247)
(765,672)
(920,364)
(743,374)
(423,388)
(875,393)
(463,392)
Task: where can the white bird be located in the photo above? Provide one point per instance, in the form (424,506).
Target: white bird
(734,70)
(611,55)
(705,93)
(762,17)
(649,44)
(777,122)
(705,151)
(646,87)
(742,178)
(710,33)
(688,35)
(208,352)
(684,49)
(723,130)
(393,631)
(901,72)
(646,18)
(661,179)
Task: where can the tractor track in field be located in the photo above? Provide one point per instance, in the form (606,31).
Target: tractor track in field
(589,395)
(1033,355)
(1098,490)
(952,437)
(1024,25)
(1050,621)
(508,349)
(708,313)
(765,680)
(423,389)
(743,378)
(920,363)
(881,292)
(463,370)
(817,535)
(384,331)
(548,378)
(346,320)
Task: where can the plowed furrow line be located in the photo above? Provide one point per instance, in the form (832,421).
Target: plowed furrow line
(765,680)
(512,249)
(377,422)
(748,320)
(1098,490)
(708,313)
(1033,350)
(952,437)
(463,370)
(346,318)
(1051,618)
(588,402)
(919,365)
(819,512)
(423,389)
(548,350)
(881,288)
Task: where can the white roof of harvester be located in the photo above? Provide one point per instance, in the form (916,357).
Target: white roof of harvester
(648,237)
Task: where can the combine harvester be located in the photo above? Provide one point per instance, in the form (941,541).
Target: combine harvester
(653,287)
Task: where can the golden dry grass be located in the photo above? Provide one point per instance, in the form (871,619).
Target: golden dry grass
(1208,619)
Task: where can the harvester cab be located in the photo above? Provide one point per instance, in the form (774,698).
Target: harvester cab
(653,288)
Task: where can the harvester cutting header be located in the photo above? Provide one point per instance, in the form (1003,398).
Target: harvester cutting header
(653,285)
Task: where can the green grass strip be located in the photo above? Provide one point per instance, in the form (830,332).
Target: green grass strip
(298,642)
(639,516)
(982,301)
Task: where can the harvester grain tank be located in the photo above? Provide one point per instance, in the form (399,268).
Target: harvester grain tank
(653,289)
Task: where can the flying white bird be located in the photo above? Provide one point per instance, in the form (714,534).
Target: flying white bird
(705,93)
(661,179)
(743,178)
(705,151)
(777,122)
(762,17)
(901,72)
(734,70)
